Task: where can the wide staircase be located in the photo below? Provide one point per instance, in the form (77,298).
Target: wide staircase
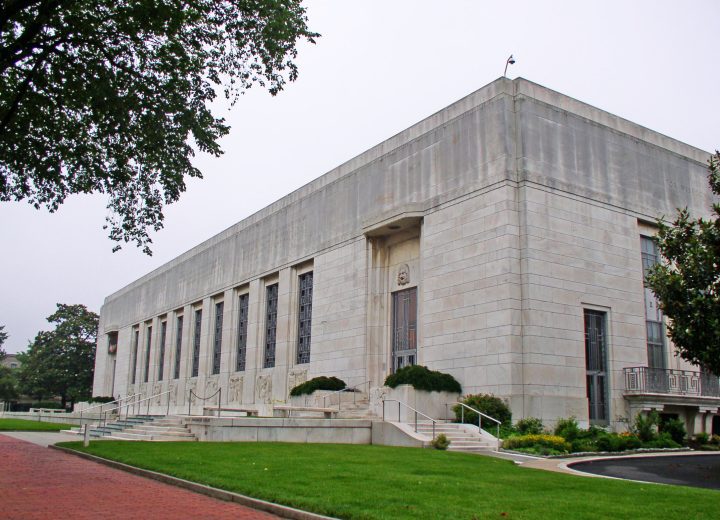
(462,437)
(141,428)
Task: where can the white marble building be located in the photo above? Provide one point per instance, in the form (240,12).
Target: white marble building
(499,240)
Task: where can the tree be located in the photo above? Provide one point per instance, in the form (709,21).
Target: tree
(113,96)
(3,338)
(60,362)
(687,282)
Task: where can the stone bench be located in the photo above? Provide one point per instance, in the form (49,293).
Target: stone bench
(250,412)
(286,410)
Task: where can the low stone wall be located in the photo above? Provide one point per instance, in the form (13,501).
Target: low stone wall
(267,429)
(64,418)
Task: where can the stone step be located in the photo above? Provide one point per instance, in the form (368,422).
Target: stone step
(143,431)
(161,429)
(128,436)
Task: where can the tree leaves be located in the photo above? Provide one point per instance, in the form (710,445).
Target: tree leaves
(112,96)
(687,283)
(61,362)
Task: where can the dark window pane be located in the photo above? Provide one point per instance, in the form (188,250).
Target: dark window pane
(305,318)
(271,292)
(242,332)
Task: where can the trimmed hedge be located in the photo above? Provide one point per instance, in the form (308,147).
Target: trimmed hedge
(551,442)
(422,378)
(318,383)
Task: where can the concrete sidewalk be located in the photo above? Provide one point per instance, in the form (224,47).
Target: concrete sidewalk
(40,483)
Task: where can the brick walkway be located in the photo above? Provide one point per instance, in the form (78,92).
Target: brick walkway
(40,483)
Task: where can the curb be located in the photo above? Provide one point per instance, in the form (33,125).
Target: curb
(261,505)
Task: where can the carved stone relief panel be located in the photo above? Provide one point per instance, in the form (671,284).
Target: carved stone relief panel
(235,391)
(264,389)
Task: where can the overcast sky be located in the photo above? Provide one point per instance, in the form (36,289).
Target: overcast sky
(380,66)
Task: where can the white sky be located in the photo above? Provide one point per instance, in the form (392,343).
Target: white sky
(380,66)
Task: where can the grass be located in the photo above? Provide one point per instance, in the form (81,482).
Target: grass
(31,426)
(363,482)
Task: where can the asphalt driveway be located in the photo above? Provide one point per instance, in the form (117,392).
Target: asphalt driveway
(683,470)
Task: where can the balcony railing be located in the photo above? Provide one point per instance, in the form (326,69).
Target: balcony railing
(644,380)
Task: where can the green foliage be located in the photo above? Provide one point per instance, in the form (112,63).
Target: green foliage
(617,442)
(645,426)
(542,444)
(662,440)
(422,378)
(702,438)
(318,383)
(101,399)
(3,338)
(115,96)
(675,428)
(489,405)
(687,283)
(61,362)
(568,429)
(441,442)
(529,426)
(8,384)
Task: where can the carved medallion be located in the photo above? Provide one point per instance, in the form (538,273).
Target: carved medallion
(403,276)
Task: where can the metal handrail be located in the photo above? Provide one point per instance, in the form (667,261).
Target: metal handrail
(218,392)
(148,401)
(480,416)
(103,404)
(346,389)
(400,404)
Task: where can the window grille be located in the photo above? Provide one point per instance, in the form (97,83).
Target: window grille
(653,316)
(147,353)
(217,346)
(595,364)
(271,292)
(161,360)
(305,318)
(404,339)
(242,332)
(136,341)
(178,346)
(196,344)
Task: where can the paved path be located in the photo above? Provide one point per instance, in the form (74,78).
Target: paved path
(40,483)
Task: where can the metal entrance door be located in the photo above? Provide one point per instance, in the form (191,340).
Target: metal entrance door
(404,341)
(596,366)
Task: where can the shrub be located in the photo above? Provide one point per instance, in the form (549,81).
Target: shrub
(645,426)
(579,445)
(422,378)
(663,440)
(568,429)
(53,405)
(486,403)
(551,442)
(702,438)
(529,425)
(715,439)
(615,442)
(441,442)
(675,428)
(318,383)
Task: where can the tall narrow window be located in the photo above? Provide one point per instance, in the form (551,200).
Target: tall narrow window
(217,343)
(161,360)
(304,317)
(404,346)
(595,364)
(136,341)
(271,292)
(653,315)
(196,344)
(242,332)
(148,342)
(178,346)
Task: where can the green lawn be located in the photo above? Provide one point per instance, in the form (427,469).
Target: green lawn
(31,426)
(384,482)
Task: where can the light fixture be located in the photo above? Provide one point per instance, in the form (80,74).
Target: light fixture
(510,61)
